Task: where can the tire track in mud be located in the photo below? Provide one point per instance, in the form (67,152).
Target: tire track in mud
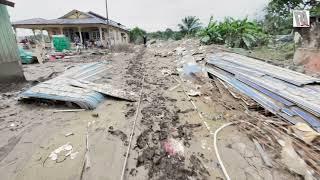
(159,124)
(134,71)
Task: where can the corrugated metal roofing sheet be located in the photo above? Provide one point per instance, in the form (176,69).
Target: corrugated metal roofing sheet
(60,89)
(274,88)
(8,45)
(304,97)
(93,19)
(76,86)
(250,64)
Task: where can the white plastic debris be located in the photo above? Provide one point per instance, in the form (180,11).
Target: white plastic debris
(53,156)
(64,148)
(166,72)
(73,155)
(68,134)
(179,50)
(68,148)
(194,93)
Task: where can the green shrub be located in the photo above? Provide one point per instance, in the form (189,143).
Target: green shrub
(165,35)
(234,33)
(136,35)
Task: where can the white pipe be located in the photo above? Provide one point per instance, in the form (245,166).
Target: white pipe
(216,148)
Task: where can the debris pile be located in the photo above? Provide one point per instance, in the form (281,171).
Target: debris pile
(289,95)
(285,93)
(64,151)
(285,146)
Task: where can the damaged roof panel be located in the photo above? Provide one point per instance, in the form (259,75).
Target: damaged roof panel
(70,87)
(256,66)
(290,95)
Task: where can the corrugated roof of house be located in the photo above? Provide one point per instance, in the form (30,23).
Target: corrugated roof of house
(8,3)
(93,19)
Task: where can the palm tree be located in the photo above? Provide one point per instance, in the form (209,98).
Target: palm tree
(190,25)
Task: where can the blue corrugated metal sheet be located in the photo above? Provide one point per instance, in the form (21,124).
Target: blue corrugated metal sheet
(77,86)
(60,88)
(296,100)
(240,63)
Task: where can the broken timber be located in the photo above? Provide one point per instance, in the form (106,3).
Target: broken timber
(77,86)
(285,93)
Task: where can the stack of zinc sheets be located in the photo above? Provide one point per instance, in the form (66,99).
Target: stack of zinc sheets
(285,93)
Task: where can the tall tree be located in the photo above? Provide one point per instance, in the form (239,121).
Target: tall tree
(136,35)
(168,33)
(190,25)
(283,7)
(278,19)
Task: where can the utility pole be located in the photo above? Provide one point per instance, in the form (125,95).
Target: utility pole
(108,26)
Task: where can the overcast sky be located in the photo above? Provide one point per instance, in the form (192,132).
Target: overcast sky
(151,15)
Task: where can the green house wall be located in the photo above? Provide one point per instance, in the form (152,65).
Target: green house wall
(10,67)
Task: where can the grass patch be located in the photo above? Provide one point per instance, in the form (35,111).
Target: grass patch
(280,52)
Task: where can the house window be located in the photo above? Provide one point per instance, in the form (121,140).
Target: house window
(123,37)
(94,35)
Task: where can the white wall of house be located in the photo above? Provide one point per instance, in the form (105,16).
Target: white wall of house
(118,36)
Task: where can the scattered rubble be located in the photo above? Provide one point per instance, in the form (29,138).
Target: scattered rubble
(173,138)
(60,154)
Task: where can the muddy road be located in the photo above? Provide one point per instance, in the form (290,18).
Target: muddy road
(172,139)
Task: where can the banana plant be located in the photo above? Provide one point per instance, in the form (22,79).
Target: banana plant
(234,33)
(211,33)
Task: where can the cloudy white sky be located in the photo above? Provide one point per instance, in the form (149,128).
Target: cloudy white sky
(151,15)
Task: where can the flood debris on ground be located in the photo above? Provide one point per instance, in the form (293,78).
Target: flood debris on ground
(180,109)
(285,93)
(74,86)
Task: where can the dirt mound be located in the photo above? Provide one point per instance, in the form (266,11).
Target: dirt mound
(157,155)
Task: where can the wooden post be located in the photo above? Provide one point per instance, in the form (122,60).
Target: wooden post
(61,30)
(34,33)
(42,36)
(101,39)
(50,33)
(80,35)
